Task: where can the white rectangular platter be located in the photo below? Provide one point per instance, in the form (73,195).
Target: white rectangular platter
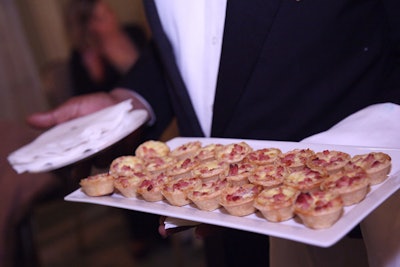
(291,229)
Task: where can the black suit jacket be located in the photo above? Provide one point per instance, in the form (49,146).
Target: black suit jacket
(288,68)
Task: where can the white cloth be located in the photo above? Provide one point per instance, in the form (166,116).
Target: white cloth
(377,126)
(195,30)
(77,139)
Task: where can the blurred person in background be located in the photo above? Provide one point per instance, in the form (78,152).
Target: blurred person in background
(103,50)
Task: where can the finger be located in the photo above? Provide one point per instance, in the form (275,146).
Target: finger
(41,120)
(62,113)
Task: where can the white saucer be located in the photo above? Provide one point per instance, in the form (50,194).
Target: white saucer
(78,139)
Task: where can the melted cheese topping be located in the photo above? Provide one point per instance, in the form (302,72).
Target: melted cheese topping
(305,179)
(183,185)
(207,152)
(263,156)
(329,159)
(126,165)
(372,161)
(318,201)
(130,181)
(189,147)
(276,195)
(239,194)
(296,157)
(183,166)
(351,178)
(205,189)
(152,148)
(159,163)
(232,153)
(210,168)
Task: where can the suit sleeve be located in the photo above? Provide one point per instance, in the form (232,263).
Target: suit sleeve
(391,90)
(147,79)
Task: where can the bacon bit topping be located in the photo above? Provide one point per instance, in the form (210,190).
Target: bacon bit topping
(233,169)
(304,200)
(279,197)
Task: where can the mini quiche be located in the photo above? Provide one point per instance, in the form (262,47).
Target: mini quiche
(186,150)
(207,195)
(263,156)
(376,164)
(152,148)
(157,165)
(352,184)
(210,170)
(306,179)
(98,185)
(296,159)
(207,152)
(238,173)
(176,191)
(277,204)
(233,153)
(239,200)
(318,209)
(269,175)
(182,168)
(331,160)
(150,188)
(126,166)
(127,185)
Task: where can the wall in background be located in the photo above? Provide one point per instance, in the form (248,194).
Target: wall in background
(43,20)
(32,41)
(20,87)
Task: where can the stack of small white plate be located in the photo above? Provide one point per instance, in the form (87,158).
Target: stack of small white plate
(78,139)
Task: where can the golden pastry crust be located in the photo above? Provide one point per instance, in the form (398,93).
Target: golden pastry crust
(306,179)
(152,148)
(239,200)
(150,189)
(98,185)
(296,159)
(176,191)
(210,170)
(238,173)
(126,166)
(156,165)
(240,180)
(331,160)
(182,168)
(376,164)
(318,209)
(277,204)
(127,185)
(352,184)
(233,153)
(263,156)
(207,196)
(186,150)
(269,175)
(207,152)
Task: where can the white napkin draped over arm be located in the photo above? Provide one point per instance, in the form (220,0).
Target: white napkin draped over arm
(374,126)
